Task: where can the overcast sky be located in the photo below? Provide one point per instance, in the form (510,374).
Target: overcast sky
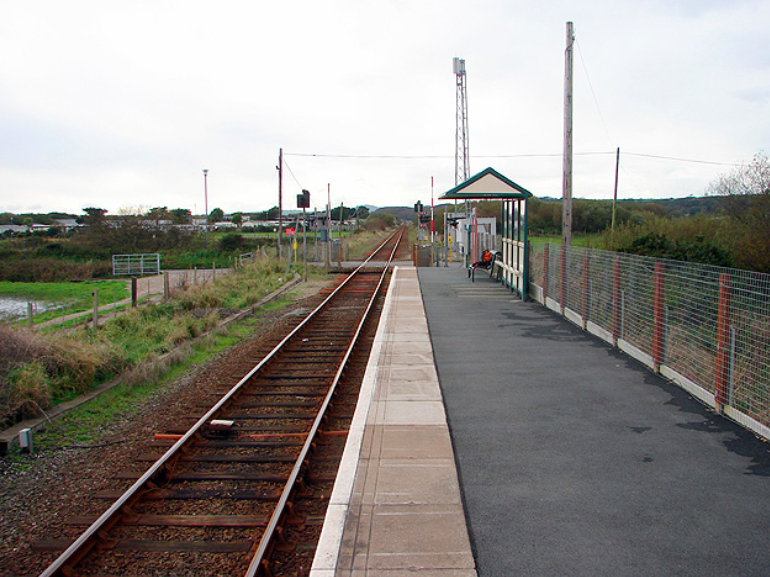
(121,104)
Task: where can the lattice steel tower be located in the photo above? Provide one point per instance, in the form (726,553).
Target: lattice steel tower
(462,159)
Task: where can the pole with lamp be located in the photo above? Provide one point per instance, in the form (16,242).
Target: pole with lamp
(206,200)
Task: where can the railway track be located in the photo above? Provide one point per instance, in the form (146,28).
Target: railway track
(244,489)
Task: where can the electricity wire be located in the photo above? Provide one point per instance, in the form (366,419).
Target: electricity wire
(676,159)
(286,164)
(545,155)
(593,93)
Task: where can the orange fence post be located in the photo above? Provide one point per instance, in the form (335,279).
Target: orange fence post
(563,279)
(658,329)
(721,385)
(545,274)
(586,268)
(616,312)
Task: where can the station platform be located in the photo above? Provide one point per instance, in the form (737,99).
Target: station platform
(572,458)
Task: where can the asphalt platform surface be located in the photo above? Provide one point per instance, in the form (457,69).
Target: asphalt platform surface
(575,459)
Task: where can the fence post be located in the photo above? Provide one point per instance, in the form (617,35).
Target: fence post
(721,385)
(30,316)
(658,316)
(586,294)
(616,303)
(96,309)
(166,286)
(134,292)
(545,275)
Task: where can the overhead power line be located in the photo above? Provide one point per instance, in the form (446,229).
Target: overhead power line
(544,155)
(286,164)
(677,159)
(593,93)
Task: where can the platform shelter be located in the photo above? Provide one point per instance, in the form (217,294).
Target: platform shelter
(491,185)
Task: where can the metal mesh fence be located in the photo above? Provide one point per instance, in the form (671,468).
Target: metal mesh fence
(708,324)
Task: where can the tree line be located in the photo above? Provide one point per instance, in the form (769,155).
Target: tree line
(729,226)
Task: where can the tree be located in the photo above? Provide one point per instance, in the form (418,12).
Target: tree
(237,219)
(744,181)
(94,216)
(746,192)
(157,214)
(180,215)
(216,215)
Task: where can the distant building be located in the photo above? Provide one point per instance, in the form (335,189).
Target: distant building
(12,229)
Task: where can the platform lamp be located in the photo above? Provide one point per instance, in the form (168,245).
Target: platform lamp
(206,201)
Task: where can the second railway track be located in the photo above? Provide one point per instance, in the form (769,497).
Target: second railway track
(243,489)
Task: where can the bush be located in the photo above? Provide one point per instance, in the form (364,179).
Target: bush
(697,250)
(27,392)
(37,369)
(231,242)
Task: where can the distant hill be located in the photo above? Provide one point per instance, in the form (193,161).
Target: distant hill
(406,213)
(706,205)
(403,213)
(692,205)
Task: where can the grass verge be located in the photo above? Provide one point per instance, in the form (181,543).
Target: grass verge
(38,370)
(87,426)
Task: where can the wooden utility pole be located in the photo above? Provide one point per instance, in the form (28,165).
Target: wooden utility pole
(280,201)
(566,214)
(328,226)
(615,193)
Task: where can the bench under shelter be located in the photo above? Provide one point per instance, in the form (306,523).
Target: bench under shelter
(512,264)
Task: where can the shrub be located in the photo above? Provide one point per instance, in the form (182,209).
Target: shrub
(231,242)
(697,250)
(28,390)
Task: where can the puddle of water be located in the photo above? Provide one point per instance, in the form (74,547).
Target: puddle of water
(13,308)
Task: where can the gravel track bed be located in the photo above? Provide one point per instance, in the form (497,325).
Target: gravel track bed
(38,495)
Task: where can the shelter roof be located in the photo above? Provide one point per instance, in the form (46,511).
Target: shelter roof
(489,185)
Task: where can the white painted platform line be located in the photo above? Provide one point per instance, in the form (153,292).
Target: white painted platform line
(327,552)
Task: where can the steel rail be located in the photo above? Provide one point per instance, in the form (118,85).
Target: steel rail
(269,534)
(64,564)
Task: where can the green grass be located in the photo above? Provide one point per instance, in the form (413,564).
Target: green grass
(63,291)
(73,297)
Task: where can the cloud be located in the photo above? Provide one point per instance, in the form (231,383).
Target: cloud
(124,104)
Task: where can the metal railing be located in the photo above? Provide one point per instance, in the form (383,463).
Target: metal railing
(706,328)
(135,264)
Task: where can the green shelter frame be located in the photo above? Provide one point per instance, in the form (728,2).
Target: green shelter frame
(491,185)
